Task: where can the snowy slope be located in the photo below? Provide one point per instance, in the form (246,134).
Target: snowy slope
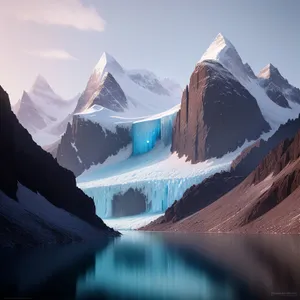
(45,114)
(224,52)
(146,94)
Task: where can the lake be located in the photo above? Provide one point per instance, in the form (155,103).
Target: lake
(142,265)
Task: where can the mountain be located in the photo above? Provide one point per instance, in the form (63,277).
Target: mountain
(43,113)
(212,121)
(36,194)
(222,50)
(277,87)
(225,104)
(113,100)
(217,115)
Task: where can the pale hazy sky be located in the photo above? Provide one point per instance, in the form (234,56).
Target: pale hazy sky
(63,39)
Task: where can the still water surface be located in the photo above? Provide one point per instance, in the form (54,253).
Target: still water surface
(158,266)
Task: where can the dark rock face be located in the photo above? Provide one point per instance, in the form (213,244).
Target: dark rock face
(109,95)
(256,154)
(217,115)
(131,203)
(8,176)
(274,93)
(86,143)
(200,196)
(27,163)
(249,71)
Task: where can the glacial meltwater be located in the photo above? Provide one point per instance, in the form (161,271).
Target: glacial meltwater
(142,265)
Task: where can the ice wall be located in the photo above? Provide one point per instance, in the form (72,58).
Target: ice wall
(160,193)
(146,133)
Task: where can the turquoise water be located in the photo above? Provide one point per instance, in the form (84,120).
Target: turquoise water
(157,266)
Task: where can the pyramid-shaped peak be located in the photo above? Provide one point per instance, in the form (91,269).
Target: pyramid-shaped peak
(107,61)
(40,83)
(220,38)
(217,48)
(268,71)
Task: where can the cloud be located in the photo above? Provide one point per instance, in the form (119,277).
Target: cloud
(52,54)
(71,13)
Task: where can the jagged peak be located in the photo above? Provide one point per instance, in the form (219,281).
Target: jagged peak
(221,50)
(105,62)
(268,71)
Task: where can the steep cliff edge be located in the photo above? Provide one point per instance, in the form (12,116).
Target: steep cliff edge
(24,162)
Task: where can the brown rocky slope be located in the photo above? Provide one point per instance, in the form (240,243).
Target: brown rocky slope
(201,197)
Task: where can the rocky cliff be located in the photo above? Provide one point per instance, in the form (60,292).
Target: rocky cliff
(217,115)
(24,162)
(87,143)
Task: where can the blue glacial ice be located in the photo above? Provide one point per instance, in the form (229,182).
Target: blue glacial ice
(145,134)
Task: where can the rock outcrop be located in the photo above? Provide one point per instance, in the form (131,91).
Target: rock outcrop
(24,162)
(87,143)
(109,95)
(217,115)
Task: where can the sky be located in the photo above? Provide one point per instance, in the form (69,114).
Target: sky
(63,39)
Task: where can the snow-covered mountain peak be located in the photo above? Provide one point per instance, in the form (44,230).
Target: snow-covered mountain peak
(107,63)
(217,48)
(223,51)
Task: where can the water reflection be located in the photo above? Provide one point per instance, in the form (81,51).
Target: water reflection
(157,266)
(145,266)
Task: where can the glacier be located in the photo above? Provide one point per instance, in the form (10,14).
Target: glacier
(146,133)
(160,175)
